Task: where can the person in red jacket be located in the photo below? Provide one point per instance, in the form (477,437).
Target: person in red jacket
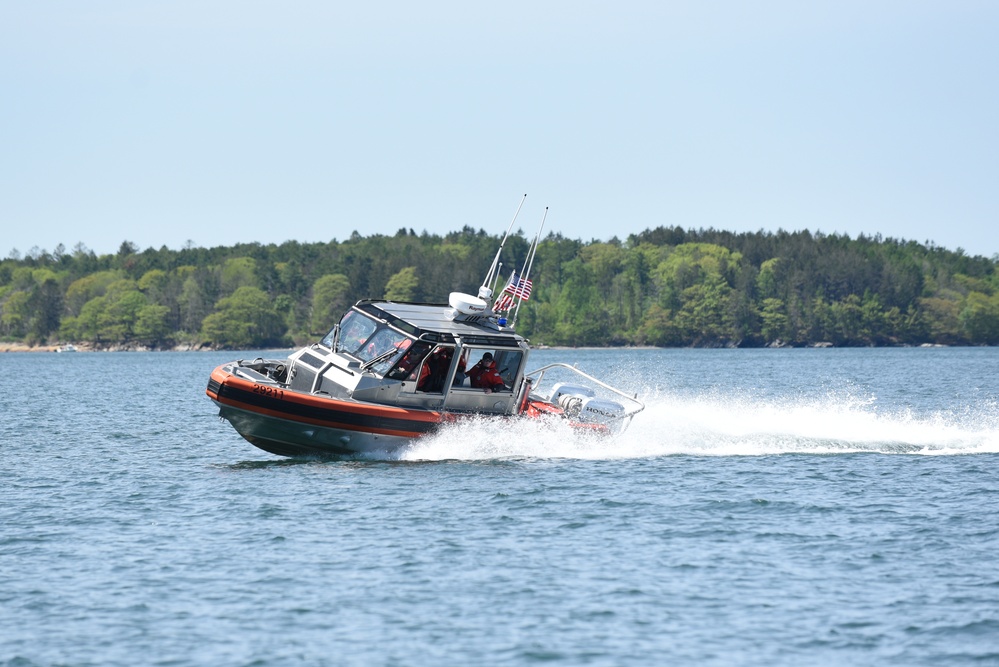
(435,370)
(484,375)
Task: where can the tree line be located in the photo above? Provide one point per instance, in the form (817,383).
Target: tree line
(662,287)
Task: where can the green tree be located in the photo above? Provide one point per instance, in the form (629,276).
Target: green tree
(821,323)
(403,285)
(15,314)
(87,325)
(667,286)
(658,328)
(244,320)
(941,317)
(848,320)
(193,303)
(88,287)
(330,298)
(979,318)
(113,317)
(768,282)
(875,324)
(580,315)
(122,303)
(238,272)
(31,305)
(152,325)
(695,286)
(774,319)
(154,284)
(704,315)
(46,306)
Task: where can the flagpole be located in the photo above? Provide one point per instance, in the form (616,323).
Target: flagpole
(492,268)
(529,263)
(499,273)
(501,293)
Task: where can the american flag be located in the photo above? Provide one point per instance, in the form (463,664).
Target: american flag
(519,287)
(503,303)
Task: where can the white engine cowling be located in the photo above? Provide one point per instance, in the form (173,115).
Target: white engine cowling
(581,402)
(579,390)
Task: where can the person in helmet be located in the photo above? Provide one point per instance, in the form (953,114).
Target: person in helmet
(484,375)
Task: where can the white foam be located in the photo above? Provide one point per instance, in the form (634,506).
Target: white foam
(734,426)
(724,426)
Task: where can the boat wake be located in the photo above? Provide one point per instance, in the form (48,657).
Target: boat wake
(724,426)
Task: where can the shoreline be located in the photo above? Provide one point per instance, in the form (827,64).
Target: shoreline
(87,347)
(21,347)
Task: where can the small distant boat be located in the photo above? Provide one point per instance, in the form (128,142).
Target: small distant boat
(66,348)
(390,372)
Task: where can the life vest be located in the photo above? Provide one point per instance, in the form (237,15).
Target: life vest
(485,377)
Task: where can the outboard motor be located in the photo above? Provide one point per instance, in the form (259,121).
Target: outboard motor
(581,403)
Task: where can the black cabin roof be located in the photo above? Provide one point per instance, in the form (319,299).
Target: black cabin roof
(436,318)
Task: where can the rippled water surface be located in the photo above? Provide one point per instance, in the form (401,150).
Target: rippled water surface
(769,507)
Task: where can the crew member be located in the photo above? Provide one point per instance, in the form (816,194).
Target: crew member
(485,376)
(435,369)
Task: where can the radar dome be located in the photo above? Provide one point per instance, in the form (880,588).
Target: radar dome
(466,304)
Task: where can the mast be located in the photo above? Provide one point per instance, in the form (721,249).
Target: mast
(484,291)
(529,263)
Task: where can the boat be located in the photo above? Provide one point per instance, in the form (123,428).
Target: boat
(390,372)
(69,347)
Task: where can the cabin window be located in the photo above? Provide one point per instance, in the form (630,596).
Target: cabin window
(379,346)
(405,368)
(385,347)
(355,330)
(474,372)
(432,375)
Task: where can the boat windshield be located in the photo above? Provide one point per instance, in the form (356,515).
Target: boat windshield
(368,340)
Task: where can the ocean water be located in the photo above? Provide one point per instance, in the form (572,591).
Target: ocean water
(769,507)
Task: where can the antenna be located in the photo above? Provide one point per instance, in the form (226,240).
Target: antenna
(492,269)
(499,274)
(529,263)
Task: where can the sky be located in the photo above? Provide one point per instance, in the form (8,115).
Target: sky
(220,122)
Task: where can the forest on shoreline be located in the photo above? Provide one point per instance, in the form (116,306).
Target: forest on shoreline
(664,287)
